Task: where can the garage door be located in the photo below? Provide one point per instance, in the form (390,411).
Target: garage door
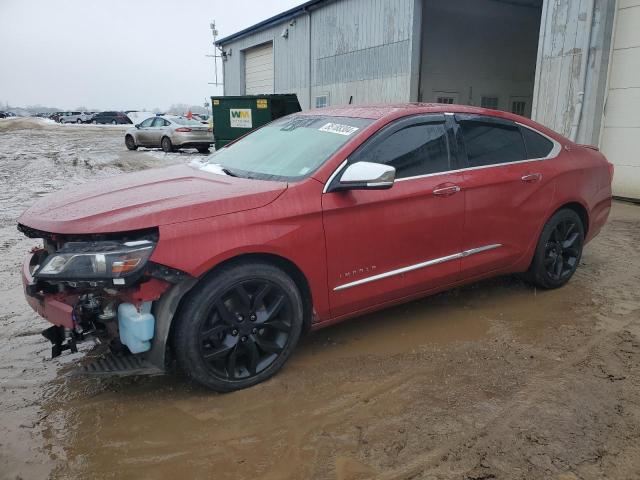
(621,129)
(258,70)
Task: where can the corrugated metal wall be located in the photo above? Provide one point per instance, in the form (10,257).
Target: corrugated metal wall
(291,70)
(571,29)
(359,48)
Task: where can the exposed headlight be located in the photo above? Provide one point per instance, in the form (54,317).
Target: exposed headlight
(96,260)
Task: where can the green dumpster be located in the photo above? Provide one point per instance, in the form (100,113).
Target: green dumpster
(236,116)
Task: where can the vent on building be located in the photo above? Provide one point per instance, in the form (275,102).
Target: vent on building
(447,100)
(489,102)
(519,108)
(322,101)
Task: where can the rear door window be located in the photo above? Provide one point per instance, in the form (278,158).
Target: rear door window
(537,145)
(490,142)
(415,149)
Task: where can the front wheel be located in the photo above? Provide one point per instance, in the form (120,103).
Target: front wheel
(114,122)
(130,143)
(239,326)
(78,121)
(558,252)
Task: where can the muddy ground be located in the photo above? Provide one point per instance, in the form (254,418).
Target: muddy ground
(492,381)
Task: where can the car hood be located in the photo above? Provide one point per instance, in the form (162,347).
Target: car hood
(147,199)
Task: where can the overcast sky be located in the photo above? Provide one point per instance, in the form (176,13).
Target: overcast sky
(116,54)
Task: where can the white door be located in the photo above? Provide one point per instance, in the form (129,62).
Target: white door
(258,70)
(620,140)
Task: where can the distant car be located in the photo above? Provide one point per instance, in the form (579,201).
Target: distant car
(114,118)
(201,118)
(76,117)
(3,115)
(169,132)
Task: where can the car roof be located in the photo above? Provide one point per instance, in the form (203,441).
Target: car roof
(382,112)
(377,111)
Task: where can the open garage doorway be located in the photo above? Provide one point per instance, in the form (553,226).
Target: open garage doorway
(480,52)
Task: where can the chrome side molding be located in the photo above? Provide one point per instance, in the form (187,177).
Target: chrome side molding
(417,266)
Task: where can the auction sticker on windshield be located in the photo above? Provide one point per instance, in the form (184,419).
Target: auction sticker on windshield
(240,118)
(338,128)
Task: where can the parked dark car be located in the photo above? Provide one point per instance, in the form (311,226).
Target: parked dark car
(113,118)
(56,116)
(3,115)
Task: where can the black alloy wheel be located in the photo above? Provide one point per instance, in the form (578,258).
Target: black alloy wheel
(559,250)
(239,326)
(248,327)
(562,250)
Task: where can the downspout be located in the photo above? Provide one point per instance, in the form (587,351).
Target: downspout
(577,115)
(309,29)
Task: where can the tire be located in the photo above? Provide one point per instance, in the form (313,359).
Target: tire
(130,143)
(239,326)
(558,252)
(203,150)
(166,144)
(114,122)
(93,122)
(78,121)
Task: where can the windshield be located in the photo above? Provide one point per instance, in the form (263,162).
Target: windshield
(185,121)
(290,148)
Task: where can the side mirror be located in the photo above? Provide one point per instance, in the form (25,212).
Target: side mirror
(137,126)
(366,176)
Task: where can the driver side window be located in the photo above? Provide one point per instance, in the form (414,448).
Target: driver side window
(415,150)
(147,122)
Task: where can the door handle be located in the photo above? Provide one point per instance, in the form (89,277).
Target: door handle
(532,177)
(446,191)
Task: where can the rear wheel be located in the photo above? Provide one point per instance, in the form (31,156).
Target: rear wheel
(130,142)
(203,150)
(166,144)
(239,326)
(114,122)
(78,121)
(558,252)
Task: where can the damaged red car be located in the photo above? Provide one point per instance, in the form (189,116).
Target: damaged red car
(317,217)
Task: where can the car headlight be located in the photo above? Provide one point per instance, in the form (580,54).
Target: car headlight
(96,260)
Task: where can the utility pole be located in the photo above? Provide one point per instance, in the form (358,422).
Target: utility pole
(215,55)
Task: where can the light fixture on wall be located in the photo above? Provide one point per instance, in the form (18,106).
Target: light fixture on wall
(285,33)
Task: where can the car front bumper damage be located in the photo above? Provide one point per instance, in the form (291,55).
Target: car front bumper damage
(76,316)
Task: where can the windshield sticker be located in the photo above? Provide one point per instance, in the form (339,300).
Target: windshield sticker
(298,122)
(339,129)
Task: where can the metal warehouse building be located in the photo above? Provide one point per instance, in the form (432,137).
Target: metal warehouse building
(573,65)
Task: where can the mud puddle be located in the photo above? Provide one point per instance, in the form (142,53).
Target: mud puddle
(493,380)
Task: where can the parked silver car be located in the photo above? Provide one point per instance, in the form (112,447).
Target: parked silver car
(76,117)
(169,132)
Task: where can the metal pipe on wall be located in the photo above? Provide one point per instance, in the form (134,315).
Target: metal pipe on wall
(586,51)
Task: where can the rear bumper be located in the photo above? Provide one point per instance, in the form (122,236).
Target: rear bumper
(47,306)
(189,139)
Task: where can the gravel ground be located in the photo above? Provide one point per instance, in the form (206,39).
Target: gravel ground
(491,381)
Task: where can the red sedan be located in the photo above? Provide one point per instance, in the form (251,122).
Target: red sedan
(312,219)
